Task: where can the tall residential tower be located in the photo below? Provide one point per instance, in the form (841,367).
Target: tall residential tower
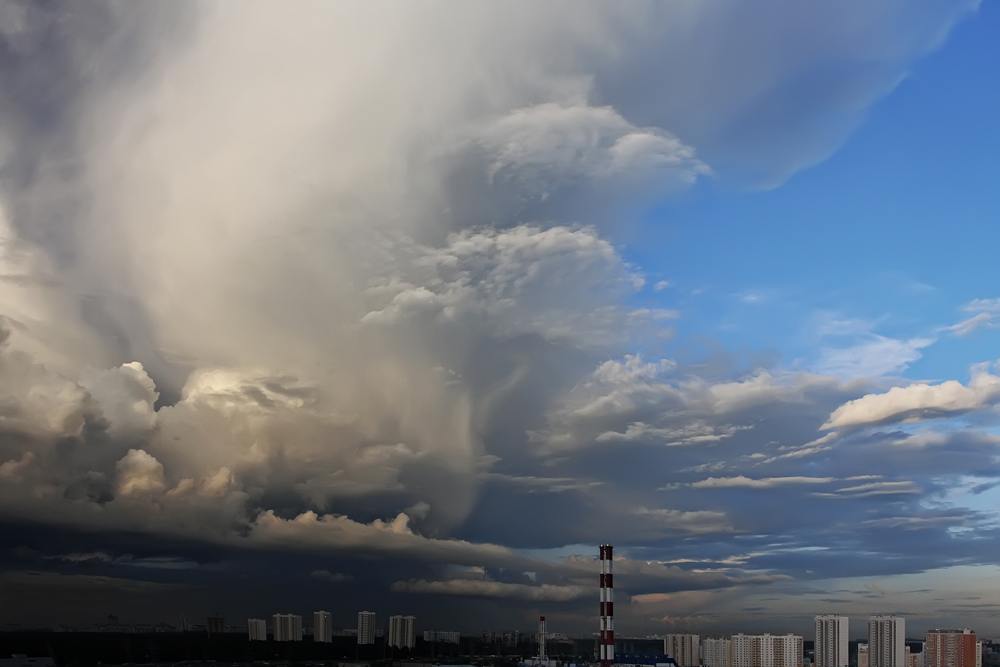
(402,631)
(322,627)
(366,627)
(831,641)
(886,641)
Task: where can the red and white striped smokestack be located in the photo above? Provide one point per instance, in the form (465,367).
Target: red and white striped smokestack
(542,635)
(606,653)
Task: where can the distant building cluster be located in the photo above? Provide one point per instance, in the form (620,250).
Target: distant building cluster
(402,632)
(739,650)
(886,647)
(443,636)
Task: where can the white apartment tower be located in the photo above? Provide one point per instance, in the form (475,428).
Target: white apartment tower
(767,650)
(322,627)
(402,631)
(287,628)
(717,652)
(366,627)
(257,627)
(684,649)
(741,650)
(831,641)
(862,655)
(886,641)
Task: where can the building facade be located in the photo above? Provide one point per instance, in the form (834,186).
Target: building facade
(444,636)
(366,627)
(257,628)
(322,627)
(787,650)
(831,647)
(287,628)
(767,650)
(862,655)
(886,641)
(952,648)
(402,631)
(717,652)
(684,649)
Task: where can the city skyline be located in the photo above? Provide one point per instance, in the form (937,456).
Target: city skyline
(410,308)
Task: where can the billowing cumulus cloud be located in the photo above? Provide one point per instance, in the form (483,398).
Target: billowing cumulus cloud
(360,299)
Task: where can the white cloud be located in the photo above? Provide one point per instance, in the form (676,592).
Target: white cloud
(965,327)
(692,433)
(561,283)
(741,481)
(919,401)
(876,489)
(140,473)
(986,312)
(126,395)
(878,356)
(534,484)
(983,306)
(667,521)
(546,145)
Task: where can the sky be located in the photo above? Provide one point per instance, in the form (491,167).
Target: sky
(408,308)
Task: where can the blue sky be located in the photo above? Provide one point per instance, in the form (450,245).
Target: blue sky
(892,229)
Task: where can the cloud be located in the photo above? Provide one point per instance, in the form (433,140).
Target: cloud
(692,433)
(919,401)
(524,280)
(637,401)
(548,143)
(876,489)
(289,300)
(671,520)
(493,589)
(983,305)
(763,483)
(331,577)
(986,311)
(965,327)
(878,356)
(541,484)
(312,531)
(139,473)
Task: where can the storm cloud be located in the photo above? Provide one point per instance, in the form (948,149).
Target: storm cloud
(342,284)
